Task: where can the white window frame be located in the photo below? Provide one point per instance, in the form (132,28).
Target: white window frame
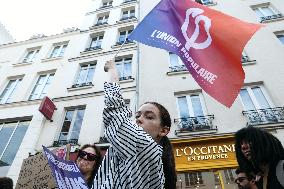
(180,62)
(107,3)
(10,92)
(48,75)
(280,37)
(102,19)
(75,109)
(2,125)
(85,67)
(263,16)
(123,61)
(189,104)
(127,32)
(253,98)
(97,40)
(129,14)
(33,55)
(60,52)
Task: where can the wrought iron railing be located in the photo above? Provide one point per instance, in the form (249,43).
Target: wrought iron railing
(93,48)
(101,23)
(128,18)
(245,59)
(178,68)
(77,85)
(208,2)
(264,116)
(128,1)
(194,124)
(125,78)
(271,17)
(103,140)
(64,142)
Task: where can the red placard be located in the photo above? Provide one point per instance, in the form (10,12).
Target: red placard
(47,108)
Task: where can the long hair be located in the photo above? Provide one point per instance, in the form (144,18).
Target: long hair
(97,164)
(168,155)
(265,148)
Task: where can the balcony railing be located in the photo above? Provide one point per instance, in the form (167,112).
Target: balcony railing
(264,116)
(77,85)
(125,78)
(101,23)
(128,1)
(64,142)
(128,18)
(126,42)
(93,48)
(178,68)
(208,2)
(103,140)
(194,124)
(271,17)
(245,59)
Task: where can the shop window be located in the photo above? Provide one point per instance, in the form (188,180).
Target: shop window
(11,136)
(10,90)
(176,64)
(85,75)
(229,177)
(124,68)
(72,125)
(193,179)
(41,86)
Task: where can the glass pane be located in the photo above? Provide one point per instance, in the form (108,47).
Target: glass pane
(5,135)
(82,76)
(174,60)
(90,74)
(62,50)
(267,11)
(127,70)
(7,91)
(66,125)
(183,107)
(77,124)
(15,143)
(196,105)
(257,11)
(119,69)
(247,100)
(55,52)
(262,102)
(281,38)
(13,90)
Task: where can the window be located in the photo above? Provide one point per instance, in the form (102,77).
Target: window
(102,19)
(107,4)
(31,56)
(85,76)
(9,90)
(124,68)
(11,136)
(205,2)
(281,37)
(72,124)
(127,14)
(41,87)
(58,51)
(254,98)
(192,179)
(96,42)
(123,36)
(176,64)
(229,176)
(266,12)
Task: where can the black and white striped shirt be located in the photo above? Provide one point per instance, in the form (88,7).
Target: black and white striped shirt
(134,159)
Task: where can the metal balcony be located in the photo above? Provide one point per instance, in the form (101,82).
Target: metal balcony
(194,124)
(178,68)
(264,116)
(271,17)
(125,78)
(64,142)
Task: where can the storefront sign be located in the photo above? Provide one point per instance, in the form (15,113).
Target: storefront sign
(205,153)
(47,108)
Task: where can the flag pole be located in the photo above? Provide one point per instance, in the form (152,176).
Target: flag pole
(118,51)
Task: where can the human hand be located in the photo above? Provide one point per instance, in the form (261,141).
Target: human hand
(109,65)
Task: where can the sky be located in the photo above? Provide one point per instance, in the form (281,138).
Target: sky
(24,18)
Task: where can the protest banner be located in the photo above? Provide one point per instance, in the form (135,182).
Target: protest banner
(35,174)
(66,173)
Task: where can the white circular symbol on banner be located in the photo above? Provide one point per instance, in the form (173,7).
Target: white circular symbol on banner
(190,42)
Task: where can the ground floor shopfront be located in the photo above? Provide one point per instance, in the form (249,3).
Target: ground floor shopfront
(205,162)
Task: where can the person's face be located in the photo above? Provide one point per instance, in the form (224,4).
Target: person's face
(243,182)
(85,163)
(148,117)
(246,150)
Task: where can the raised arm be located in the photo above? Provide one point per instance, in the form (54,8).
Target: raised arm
(125,137)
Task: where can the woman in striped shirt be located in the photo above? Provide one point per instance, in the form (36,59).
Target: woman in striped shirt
(136,158)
